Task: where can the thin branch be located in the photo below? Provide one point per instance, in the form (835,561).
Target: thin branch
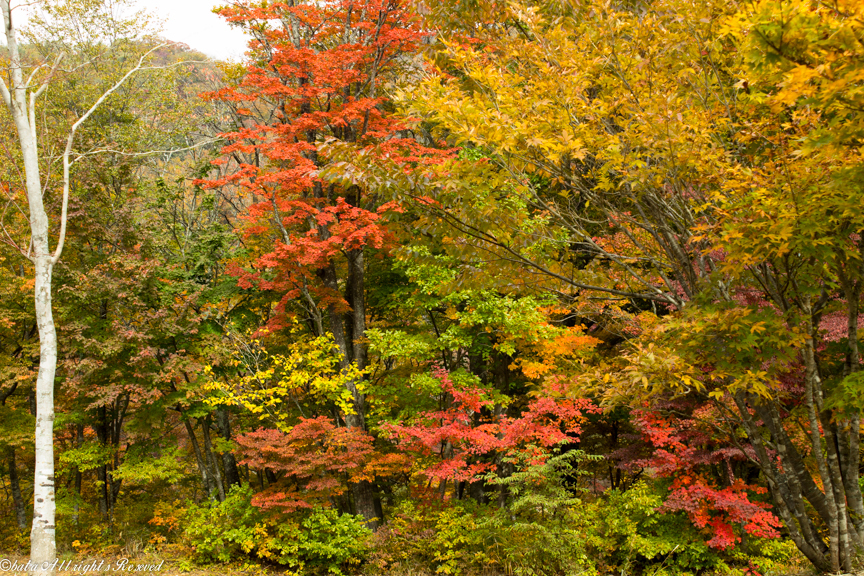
(147,153)
(47,81)
(71,139)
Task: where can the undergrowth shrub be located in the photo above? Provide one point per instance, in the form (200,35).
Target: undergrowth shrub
(438,537)
(318,542)
(629,533)
(540,533)
(535,535)
(552,528)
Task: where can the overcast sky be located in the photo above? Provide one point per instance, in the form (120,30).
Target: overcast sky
(189,21)
(193,23)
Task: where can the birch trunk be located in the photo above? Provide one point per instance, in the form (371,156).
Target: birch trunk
(20,99)
(42,544)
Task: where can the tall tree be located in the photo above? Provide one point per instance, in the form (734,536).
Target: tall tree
(317,72)
(20,95)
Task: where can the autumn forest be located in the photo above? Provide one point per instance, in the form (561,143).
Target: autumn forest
(466,287)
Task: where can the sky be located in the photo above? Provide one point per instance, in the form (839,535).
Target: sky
(189,21)
(193,23)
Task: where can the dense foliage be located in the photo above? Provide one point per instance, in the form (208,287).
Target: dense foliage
(531,287)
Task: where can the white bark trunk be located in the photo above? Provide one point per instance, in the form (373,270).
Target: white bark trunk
(42,541)
(20,98)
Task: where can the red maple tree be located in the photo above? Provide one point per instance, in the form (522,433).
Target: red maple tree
(683,450)
(469,433)
(316,73)
(314,462)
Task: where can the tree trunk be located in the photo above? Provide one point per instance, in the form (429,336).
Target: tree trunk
(79,440)
(17,500)
(20,99)
(211,459)
(365,499)
(202,465)
(357,300)
(102,480)
(115,484)
(363,493)
(102,469)
(229,463)
(364,503)
(785,489)
(14,482)
(42,538)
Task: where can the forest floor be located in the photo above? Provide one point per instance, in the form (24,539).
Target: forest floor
(167,565)
(141,563)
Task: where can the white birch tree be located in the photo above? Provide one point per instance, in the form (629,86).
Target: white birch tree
(20,95)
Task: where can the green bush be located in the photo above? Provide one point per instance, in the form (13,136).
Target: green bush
(224,531)
(321,542)
(439,537)
(627,532)
(536,535)
(550,528)
(540,533)
(457,542)
(326,542)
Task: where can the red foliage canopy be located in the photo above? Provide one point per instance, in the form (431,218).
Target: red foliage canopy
(470,428)
(314,462)
(316,74)
(681,451)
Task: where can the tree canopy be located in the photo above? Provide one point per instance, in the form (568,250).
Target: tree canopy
(531,287)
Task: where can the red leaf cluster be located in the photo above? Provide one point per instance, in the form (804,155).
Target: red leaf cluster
(316,73)
(472,429)
(682,450)
(314,462)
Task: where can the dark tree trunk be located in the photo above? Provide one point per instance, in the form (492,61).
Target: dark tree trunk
(121,405)
(211,459)
(209,488)
(363,492)
(17,499)
(229,463)
(76,479)
(102,479)
(102,469)
(476,490)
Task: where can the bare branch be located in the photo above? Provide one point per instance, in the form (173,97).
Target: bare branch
(71,139)
(147,153)
(9,240)
(32,74)
(47,81)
